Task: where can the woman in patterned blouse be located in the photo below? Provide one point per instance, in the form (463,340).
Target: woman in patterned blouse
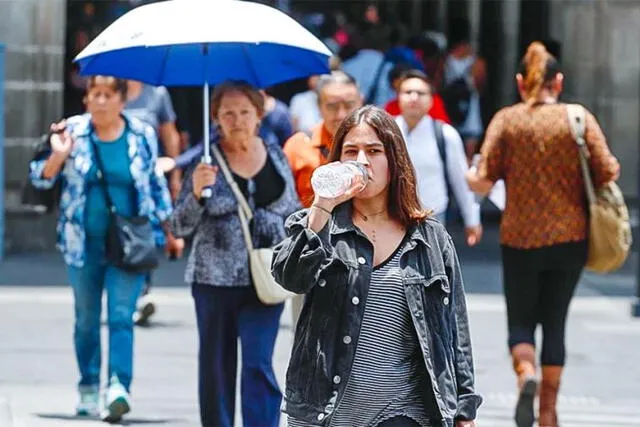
(544,226)
(127,175)
(227,307)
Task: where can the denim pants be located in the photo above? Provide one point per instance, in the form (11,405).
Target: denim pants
(122,288)
(223,315)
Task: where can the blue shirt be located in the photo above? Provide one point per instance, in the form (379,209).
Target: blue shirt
(278,122)
(152,195)
(365,68)
(154,107)
(119,184)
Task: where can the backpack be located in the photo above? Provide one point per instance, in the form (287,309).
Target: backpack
(33,196)
(439,133)
(438,126)
(456,96)
(609,228)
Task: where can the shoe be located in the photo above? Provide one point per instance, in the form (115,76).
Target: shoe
(89,402)
(526,398)
(116,402)
(548,415)
(144,312)
(524,366)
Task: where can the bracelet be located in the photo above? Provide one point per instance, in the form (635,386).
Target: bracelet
(322,209)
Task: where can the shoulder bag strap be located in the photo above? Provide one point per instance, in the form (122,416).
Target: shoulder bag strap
(244,211)
(100,173)
(577,123)
(442,149)
(242,202)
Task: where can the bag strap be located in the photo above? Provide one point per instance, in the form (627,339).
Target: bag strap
(439,134)
(577,119)
(100,173)
(242,201)
(246,232)
(244,211)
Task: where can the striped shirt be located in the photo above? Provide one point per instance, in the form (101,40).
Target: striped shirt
(388,377)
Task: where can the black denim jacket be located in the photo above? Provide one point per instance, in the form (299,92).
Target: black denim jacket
(333,268)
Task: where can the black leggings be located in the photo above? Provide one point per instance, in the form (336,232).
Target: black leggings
(538,287)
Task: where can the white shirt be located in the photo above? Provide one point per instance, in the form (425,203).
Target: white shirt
(432,187)
(304,111)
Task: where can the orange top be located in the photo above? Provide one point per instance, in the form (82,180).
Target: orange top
(533,150)
(305,155)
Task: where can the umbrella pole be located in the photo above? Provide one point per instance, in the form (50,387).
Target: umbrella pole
(206,158)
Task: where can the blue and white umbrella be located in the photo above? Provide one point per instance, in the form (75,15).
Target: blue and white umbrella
(204,42)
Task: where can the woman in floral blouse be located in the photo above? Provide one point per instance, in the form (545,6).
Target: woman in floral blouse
(128,169)
(544,226)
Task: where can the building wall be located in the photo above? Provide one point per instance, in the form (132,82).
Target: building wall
(601,59)
(33,32)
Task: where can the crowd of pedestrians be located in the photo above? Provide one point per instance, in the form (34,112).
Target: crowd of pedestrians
(381,300)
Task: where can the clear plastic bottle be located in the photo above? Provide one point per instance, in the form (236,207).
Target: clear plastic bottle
(335,179)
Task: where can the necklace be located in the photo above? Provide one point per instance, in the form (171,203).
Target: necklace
(366,217)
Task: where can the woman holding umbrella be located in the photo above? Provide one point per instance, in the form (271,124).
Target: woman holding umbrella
(104,159)
(227,306)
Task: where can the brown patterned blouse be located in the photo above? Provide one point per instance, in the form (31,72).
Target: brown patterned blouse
(533,150)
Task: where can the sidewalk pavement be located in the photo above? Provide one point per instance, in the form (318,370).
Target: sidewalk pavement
(38,372)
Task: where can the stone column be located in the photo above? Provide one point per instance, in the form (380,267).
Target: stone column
(443,16)
(511,33)
(475,14)
(34,34)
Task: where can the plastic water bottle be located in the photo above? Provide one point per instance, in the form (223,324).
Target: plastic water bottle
(335,179)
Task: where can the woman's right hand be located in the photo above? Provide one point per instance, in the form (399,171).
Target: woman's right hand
(204,176)
(330,204)
(61,141)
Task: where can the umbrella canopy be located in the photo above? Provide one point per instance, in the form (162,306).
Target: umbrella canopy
(198,42)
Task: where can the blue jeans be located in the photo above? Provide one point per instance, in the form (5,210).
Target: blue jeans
(123,289)
(223,315)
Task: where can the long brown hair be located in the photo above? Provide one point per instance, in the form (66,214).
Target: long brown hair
(538,69)
(403,204)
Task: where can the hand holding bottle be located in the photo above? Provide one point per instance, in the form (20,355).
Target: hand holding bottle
(335,179)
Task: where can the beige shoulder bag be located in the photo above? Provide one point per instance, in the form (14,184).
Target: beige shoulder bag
(609,228)
(268,290)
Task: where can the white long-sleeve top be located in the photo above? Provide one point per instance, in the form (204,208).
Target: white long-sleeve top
(432,187)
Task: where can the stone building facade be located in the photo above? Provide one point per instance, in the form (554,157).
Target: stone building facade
(33,32)
(599,51)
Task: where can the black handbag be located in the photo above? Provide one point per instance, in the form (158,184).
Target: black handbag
(130,244)
(33,196)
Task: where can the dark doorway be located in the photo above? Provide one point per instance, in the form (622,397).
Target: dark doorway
(534,25)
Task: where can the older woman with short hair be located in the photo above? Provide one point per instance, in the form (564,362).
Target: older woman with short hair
(227,306)
(104,159)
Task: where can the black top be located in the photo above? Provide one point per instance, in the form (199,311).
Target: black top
(267,185)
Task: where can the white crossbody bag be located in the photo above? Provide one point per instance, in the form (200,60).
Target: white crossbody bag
(268,290)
